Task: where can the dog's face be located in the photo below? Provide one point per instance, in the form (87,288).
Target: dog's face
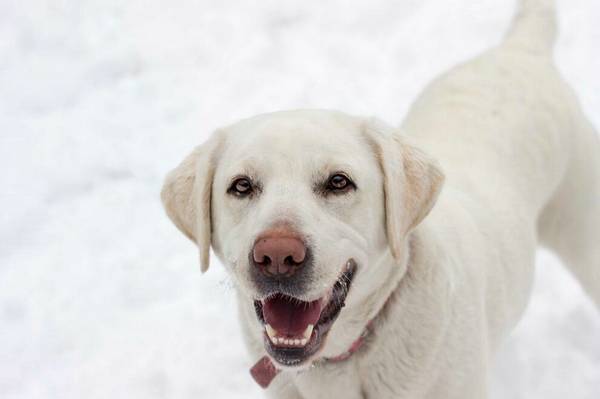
(305,209)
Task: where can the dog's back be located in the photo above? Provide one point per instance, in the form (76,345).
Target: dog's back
(510,134)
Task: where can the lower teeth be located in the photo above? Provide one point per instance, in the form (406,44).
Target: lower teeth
(299,342)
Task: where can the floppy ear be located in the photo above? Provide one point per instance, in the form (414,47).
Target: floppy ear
(411,182)
(186,196)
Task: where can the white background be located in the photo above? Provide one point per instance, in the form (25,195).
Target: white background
(100,296)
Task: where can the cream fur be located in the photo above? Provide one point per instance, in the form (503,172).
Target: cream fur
(522,167)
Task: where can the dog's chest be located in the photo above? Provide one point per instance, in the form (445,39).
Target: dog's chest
(347,379)
(329,380)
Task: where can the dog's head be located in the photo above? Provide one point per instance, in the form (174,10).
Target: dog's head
(300,206)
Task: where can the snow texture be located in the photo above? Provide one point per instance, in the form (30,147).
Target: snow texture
(100,296)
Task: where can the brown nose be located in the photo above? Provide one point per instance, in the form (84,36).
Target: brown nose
(279,256)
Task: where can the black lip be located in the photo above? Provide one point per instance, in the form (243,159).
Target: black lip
(296,356)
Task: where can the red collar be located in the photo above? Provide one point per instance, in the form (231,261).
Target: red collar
(264,371)
(356,345)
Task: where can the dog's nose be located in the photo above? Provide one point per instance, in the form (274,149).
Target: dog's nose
(279,256)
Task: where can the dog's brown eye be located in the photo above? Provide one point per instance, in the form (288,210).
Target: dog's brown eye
(241,187)
(339,183)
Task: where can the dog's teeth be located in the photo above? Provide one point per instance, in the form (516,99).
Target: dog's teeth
(289,341)
(271,332)
(299,342)
(308,332)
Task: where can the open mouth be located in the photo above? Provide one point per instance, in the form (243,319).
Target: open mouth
(295,330)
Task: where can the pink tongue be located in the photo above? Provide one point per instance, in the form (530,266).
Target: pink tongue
(290,317)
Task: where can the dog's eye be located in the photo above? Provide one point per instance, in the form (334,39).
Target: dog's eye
(241,187)
(339,183)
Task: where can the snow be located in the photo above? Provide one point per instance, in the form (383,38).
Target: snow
(100,297)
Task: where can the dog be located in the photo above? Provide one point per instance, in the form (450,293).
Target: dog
(379,262)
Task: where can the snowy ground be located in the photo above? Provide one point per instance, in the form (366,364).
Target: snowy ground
(100,297)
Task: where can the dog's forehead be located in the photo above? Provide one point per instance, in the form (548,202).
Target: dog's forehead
(297,137)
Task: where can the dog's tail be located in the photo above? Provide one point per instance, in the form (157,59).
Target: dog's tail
(534,28)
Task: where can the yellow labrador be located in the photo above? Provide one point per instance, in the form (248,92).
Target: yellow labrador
(358,276)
